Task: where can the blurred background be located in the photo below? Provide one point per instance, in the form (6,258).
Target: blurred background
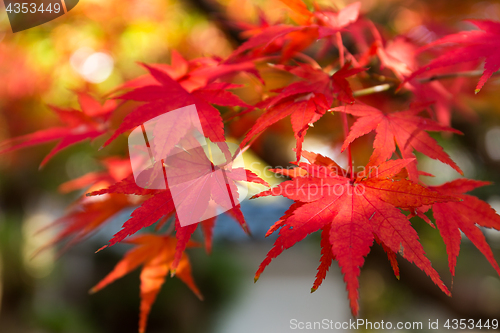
(96,48)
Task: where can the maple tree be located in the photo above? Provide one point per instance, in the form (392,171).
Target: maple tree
(351,210)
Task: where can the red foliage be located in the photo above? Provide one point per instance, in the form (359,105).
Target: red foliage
(352,210)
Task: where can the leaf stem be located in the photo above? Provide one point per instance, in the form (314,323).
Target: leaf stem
(308,59)
(340,45)
(387,86)
(372,90)
(452,75)
(345,125)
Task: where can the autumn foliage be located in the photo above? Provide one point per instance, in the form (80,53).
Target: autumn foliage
(326,53)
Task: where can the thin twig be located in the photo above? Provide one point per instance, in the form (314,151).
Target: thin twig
(452,75)
(387,86)
(372,90)
(345,127)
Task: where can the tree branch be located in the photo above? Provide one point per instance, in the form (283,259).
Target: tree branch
(372,90)
(387,86)
(452,75)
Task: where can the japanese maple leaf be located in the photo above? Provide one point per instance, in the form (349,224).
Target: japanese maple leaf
(267,39)
(341,19)
(168,95)
(400,56)
(252,29)
(203,186)
(323,17)
(116,169)
(351,215)
(192,74)
(301,14)
(469,46)
(405,129)
(89,123)
(304,101)
(197,180)
(193,179)
(87,215)
(159,206)
(155,254)
(159,203)
(322,23)
(288,39)
(465,216)
(446,99)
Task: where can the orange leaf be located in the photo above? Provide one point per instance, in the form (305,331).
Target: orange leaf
(155,254)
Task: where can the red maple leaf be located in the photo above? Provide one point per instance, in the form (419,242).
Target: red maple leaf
(89,123)
(288,39)
(116,169)
(198,182)
(469,46)
(87,215)
(400,56)
(168,94)
(328,18)
(156,255)
(466,216)
(405,129)
(351,216)
(192,74)
(305,101)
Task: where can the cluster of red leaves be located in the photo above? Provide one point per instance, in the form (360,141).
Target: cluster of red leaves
(352,210)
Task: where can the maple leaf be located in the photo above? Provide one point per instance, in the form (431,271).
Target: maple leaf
(89,123)
(400,56)
(332,19)
(87,215)
(116,169)
(317,25)
(327,257)
(351,216)
(341,19)
(304,101)
(405,129)
(300,12)
(192,74)
(466,216)
(282,38)
(445,99)
(125,186)
(155,254)
(200,187)
(288,39)
(469,46)
(170,95)
(195,181)
(159,204)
